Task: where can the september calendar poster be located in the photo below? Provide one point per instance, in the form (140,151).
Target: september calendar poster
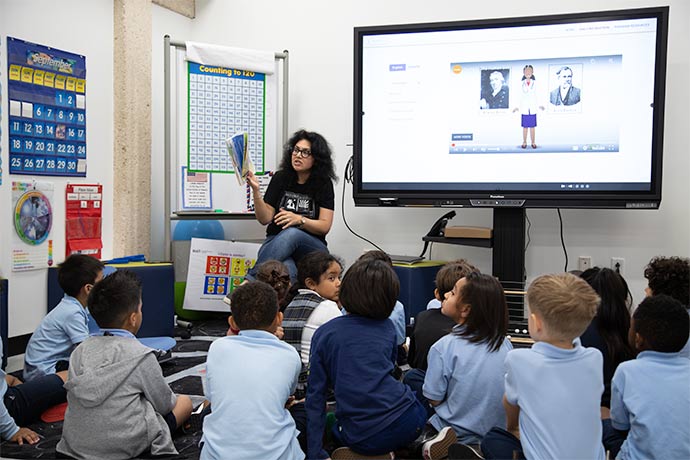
(47,110)
(216,268)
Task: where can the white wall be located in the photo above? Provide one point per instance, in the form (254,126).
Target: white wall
(83,27)
(319,36)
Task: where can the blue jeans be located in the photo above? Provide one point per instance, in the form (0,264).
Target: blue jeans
(288,246)
(612,438)
(401,433)
(414,378)
(499,444)
(27,401)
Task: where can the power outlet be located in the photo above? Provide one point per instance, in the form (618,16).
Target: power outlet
(584,263)
(618,265)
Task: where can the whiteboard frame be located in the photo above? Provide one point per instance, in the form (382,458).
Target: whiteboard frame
(169,45)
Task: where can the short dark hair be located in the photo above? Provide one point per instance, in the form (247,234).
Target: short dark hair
(254,305)
(375,254)
(313,265)
(370,288)
(670,276)
(112,300)
(663,323)
(487,321)
(323,167)
(77,271)
(450,273)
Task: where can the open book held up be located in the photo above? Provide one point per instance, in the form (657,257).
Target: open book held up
(237,148)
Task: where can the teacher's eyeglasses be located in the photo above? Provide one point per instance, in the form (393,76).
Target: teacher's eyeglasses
(302,153)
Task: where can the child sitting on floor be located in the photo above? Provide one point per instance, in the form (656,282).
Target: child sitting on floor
(355,356)
(650,395)
(553,390)
(430,325)
(318,277)
(464,380)
(66,325)
(23,403)
(119,404)
(250,378)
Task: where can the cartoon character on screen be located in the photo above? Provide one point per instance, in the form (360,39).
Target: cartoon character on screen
(528,105)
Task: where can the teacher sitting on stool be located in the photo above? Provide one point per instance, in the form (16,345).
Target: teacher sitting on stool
(298,204)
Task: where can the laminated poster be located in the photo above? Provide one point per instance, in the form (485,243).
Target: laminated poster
(216,268)
(32,245)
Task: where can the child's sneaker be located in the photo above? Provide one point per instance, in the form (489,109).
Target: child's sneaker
(345,453)
(437,448)
(460,451)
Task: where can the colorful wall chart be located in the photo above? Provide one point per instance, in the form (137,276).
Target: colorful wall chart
(223,102)
(47,110)
(216,268)
(32,245)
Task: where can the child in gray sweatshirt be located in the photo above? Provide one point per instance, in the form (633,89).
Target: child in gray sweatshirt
(119,405)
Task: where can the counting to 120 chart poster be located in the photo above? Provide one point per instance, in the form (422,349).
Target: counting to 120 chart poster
(47,110)
(222,102)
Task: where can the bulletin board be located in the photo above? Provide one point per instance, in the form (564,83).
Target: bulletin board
(208,103)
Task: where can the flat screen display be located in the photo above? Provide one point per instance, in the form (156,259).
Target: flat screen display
(549,111)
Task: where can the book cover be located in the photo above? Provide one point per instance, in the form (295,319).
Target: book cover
(239,155)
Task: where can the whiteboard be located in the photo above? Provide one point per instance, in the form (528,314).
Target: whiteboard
(205,190)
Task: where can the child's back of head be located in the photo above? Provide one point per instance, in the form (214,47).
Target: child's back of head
(114,299)
(77,271)
(370,288)
(565,303)
(276,274)
(660,323)
(487,319)
(377,255)
(254,306)
(670,276)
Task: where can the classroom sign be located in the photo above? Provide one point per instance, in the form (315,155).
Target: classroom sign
(216,268)
(47,110)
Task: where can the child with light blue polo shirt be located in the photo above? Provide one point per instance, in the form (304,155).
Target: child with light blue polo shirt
(650,395)
(66,325)
(250,378)
(553,390)
(464,380)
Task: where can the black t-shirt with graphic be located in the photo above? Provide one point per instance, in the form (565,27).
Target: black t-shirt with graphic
(303,199)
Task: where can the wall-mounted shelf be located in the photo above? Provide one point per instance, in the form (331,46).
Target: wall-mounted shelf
(478,242)
(211,215)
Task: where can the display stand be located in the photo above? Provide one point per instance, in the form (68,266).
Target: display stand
(508,243)
(169,44)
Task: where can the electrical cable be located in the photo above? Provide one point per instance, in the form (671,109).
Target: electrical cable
(565,251)
(348,177)
(529,239)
